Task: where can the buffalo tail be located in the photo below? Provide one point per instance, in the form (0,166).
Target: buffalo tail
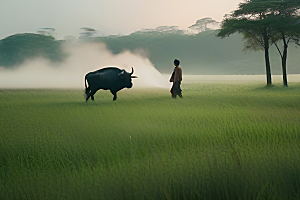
(87,89)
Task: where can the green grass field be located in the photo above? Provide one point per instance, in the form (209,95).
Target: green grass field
(220,141)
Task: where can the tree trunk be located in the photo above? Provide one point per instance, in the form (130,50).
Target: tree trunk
(268,68)
(283,61)
(267,59)
(284,58)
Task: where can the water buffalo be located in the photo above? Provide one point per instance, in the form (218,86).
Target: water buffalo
(110,78)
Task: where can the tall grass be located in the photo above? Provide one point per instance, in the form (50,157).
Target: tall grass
(221,141)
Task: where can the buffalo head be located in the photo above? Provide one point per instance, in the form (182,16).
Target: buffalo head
(126,77)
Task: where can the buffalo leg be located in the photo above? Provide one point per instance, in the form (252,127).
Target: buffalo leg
(115,95)
(87,90)
(87,98)
(91,94)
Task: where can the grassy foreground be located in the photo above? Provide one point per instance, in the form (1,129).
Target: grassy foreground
(220,141)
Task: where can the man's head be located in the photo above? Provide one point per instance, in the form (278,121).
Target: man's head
(176,62)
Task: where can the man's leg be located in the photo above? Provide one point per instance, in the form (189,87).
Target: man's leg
(179,91)
(173,91)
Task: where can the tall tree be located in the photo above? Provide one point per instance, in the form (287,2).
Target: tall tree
(255,30)
(263,23)
(287,24)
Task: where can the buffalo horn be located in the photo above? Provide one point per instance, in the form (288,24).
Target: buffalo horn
(131,71)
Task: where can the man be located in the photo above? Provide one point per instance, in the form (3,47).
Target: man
(176,78)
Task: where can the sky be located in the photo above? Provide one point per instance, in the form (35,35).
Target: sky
(107,16)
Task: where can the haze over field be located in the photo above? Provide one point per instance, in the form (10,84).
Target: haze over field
(41,73)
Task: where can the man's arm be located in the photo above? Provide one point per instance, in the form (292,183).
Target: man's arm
(180,75)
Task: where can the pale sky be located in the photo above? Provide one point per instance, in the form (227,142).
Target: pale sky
(109,16)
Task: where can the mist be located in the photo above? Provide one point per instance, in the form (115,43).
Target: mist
(82,58)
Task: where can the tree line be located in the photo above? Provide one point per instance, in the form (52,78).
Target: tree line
(264,23)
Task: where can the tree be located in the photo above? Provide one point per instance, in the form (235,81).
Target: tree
(287,25)
(286,36)
(264,23)
(251,21)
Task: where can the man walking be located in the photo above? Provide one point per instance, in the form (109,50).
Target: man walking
(176,78)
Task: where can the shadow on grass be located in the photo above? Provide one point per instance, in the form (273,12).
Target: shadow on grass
(293,87)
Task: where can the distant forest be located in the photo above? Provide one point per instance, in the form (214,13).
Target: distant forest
(201,53)
(16,49)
